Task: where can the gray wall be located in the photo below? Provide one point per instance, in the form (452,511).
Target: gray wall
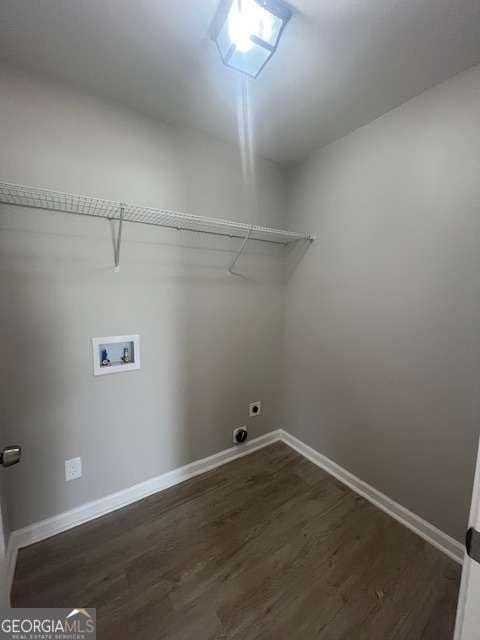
(382,369)
(210,342)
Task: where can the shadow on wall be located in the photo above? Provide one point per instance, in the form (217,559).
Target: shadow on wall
(210,344)
(295,254)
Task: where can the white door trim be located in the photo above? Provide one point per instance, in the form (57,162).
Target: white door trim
(473,519)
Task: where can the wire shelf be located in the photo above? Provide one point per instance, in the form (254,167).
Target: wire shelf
(14,194)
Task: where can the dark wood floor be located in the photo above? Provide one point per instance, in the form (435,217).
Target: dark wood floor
(266,547)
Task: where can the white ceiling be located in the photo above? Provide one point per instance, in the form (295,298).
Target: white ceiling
(340,63)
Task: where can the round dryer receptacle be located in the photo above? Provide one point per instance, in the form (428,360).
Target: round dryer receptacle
(240,435)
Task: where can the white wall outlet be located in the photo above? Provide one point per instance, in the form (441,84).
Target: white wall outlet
(240,435)
(73,469)
(255,408)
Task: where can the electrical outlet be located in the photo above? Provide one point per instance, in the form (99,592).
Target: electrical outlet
(73,469)
(255,408)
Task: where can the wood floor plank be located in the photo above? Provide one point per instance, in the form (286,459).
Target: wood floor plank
(266,547)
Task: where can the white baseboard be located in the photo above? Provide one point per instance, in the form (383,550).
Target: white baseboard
(451,547)
(69,519)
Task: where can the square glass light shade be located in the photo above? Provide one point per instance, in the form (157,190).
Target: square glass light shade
(250,32)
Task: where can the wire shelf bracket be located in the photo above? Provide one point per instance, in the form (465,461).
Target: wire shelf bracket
(118,212)
(118,239)
(240,251)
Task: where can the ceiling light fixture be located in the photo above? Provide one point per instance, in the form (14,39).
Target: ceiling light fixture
(248,31)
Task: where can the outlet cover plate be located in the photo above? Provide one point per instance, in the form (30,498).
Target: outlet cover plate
(73,469)
(255,408)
